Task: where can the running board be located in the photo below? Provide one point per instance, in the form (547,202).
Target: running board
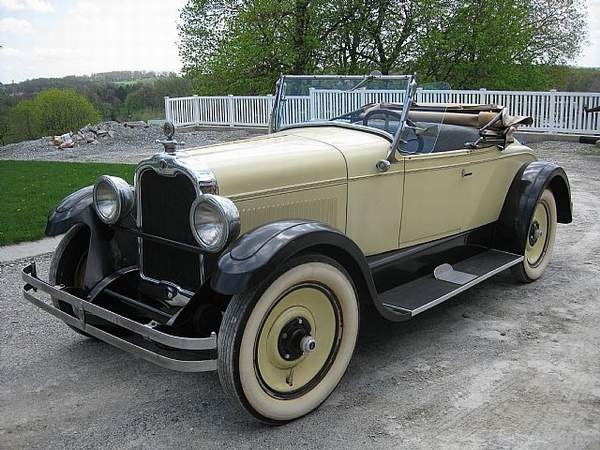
(447,281)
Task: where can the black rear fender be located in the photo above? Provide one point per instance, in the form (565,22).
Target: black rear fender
(524,193)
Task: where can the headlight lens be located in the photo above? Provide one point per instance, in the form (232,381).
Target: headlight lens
(113,199)
(215,221)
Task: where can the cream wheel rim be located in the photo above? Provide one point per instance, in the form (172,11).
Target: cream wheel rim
(537,239)
(286,367)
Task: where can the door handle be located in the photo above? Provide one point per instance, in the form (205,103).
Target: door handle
(465,173)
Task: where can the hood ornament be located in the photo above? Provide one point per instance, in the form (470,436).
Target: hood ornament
(169,143)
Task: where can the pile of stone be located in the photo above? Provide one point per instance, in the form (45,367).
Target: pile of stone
(90,134)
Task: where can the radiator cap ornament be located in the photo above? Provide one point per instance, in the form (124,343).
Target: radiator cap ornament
(169,144)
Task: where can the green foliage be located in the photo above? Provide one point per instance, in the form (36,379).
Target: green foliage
(66,106)
(51,112)
(241,47)
(506,44)
(57,111)
(30,189)
(21,121)
(576,79)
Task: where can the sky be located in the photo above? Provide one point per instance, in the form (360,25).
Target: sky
(52,38)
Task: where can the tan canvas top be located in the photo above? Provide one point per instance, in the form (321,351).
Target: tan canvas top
(476,116)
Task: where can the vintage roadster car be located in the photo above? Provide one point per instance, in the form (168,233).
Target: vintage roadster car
(252,258)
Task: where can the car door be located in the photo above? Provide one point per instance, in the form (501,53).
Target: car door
(437,196)
(491,174)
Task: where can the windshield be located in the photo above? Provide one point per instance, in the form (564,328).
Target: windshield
(318,98)
(386,105)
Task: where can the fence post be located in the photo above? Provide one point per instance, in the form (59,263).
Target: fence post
(311,103)
(168,112)
(363,96)
(270,109)
(419,95)
(552,114)
(231,110)
(196,110)
(482,93)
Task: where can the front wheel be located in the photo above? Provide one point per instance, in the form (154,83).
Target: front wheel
(540,240)
(284,346)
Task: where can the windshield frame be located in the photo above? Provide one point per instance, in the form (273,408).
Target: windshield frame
(409,94)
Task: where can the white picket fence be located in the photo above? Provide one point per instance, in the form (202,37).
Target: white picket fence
(552,111)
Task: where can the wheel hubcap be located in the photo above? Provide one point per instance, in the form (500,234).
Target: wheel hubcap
(538,235)
(295,339)
(298,340)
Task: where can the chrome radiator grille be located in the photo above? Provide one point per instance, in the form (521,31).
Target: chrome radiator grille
(165,203)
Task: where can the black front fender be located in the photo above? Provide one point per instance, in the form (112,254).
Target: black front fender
(109,249)
(260,252)
(524,193)
(70,211)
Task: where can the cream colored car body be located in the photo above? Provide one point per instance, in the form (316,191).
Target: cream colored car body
(328,173)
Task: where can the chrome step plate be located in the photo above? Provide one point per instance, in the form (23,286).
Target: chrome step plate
(426,292)
(446,272)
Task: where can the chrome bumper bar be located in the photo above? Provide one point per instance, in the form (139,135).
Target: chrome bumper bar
(82,307)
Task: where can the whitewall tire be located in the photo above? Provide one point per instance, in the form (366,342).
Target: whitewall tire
(540,239)
(284,346)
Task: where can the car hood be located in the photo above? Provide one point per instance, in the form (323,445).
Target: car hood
(278,162)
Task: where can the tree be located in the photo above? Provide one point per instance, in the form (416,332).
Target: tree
(22,121)
(242,46)
(504,44)
(60,110)
(203,28)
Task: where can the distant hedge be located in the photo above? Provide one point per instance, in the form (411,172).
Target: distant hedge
(51,112)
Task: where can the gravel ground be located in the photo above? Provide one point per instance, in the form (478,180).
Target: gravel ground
(127,145)
(501,366)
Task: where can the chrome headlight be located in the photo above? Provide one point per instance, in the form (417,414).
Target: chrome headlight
(113,199)
(215,222)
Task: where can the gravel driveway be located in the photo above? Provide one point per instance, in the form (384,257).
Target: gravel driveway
(501,366)
(126,145)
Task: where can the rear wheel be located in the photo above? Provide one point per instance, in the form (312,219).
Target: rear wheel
(284,346)
(540,240)
(68,264)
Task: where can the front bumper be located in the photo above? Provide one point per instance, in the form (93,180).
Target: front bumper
(184,354)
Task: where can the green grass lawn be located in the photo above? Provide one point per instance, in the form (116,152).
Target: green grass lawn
(31,189)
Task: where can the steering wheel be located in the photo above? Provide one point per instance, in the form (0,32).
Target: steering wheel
(410,131)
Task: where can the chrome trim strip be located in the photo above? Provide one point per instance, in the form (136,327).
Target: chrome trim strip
(169,164)
(164,164)
(457,291)
(183,343)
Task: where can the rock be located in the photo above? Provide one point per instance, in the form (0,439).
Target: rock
(598,143)
(94,142)
(63,141)
(139,123)
(101,133)
(111,133)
